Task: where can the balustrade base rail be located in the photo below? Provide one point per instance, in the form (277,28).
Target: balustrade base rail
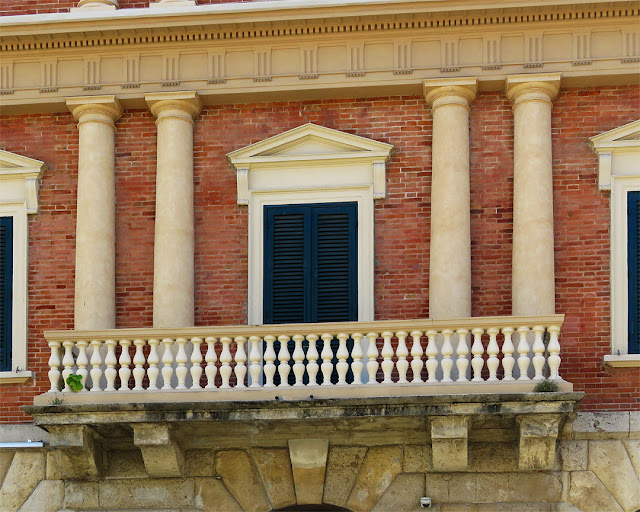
(296,361)
(291,393)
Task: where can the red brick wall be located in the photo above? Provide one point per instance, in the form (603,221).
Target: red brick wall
(401,220)
(15,7)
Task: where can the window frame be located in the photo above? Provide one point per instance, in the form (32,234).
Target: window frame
(19,187)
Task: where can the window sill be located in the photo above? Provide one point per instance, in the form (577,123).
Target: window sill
(625,361)
(15,377)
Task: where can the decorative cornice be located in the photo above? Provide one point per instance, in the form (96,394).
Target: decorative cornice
(140,26)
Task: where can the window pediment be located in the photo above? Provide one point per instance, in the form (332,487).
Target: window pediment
(615,149)
(310,152)
(20,177)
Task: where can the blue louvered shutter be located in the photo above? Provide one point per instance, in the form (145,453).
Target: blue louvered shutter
(633,259)
(310,268)
(6,291)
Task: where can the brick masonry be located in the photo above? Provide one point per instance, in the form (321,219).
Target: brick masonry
(16,7)
(401,220)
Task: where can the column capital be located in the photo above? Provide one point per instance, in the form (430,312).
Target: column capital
(105,109)
(102,5)
(538,87)
(450,91)
(181,104)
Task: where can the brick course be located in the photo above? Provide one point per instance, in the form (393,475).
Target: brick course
(401,220)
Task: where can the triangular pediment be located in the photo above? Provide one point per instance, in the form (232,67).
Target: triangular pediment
(12,163)
(310,141)
(622,136)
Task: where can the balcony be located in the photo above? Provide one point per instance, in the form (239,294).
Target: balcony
(172,391)
(294,361)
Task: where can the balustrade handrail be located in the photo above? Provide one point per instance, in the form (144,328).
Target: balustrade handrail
(308,328)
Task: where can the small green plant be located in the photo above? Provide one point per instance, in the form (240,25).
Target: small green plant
(546,386)
(56,401)
(75,382)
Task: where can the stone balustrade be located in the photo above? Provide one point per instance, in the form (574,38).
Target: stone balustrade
(357,359)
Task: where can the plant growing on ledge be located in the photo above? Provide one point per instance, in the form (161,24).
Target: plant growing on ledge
(75,382)
(546,386)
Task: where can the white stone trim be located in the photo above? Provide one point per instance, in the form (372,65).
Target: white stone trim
(311,164)
(19,185)
(618,151)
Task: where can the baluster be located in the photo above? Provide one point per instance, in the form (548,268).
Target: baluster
(493,349)
(241,358)
(96,365)
(523,350)
(327,356)
(225,362)
(372,358)
(67,362)
(387,354)
(298,357)
(416,357)
(462,363)
(210,358)
(447,352)
(478,351)
(138,361)
(82,362)
(283,358)
(54,365)
(538,350)
(110,361)
(255,358)
(508,361)
(357,355)
(342,354)
(196,363)
(432,356)
(554,352)
(312,359)
(181,360)
(269,366)
(401,353)
(167,363)
(125,362)
(153,372)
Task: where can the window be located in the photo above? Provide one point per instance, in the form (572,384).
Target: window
(633,262)
(6,291)
(311,166)
(310,263)
(19,186)
(619,171)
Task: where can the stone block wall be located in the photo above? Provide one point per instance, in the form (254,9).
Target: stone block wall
(597,469)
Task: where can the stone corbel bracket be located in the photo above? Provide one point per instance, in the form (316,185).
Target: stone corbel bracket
(79,451)
(449,440)
(537,441)
(162,454)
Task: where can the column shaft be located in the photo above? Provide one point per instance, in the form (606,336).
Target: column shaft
(450,244)
(533,281)
(173,281)
(95,225)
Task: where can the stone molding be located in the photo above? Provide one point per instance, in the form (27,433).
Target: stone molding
(454,91)
(179,105)
(539,87)
(101,109)
(102,5)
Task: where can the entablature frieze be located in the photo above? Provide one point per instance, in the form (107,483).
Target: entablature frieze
(387,56)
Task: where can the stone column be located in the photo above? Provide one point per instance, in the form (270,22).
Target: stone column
(173,280)
(533,282)
(450,268)
(95,285)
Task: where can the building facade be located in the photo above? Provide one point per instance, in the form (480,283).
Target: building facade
(290,255)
